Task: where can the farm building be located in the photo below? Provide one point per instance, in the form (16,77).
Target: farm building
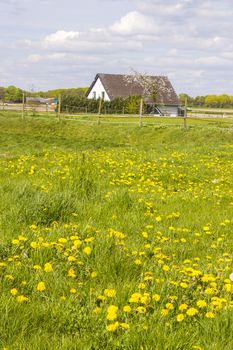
(110,86)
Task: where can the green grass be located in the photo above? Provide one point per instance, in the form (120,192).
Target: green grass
(153,206)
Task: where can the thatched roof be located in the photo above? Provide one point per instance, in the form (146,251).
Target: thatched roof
(116,85)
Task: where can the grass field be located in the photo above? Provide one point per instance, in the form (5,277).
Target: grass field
(115,237)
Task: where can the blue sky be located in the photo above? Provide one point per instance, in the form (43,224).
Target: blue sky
(48,44)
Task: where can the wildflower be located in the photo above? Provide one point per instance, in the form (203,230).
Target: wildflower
(71,258)
(201,303)
(112,312)
(141,309)
(192,312)
(184,285)
(127,309)
(180,318)
(164,312)
(71,273)
(34,245)
(169,306)
(87,250)
(37,267)
(156,297)
(210,314)
(21,299)
(135,298)
(48,267)
(93,274)
(14,291)
(41,287)
(183,307)
(110,293)
(112,327)
(124,325)
(73,290)
(166,268)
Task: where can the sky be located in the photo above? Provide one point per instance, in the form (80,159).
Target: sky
(48,44)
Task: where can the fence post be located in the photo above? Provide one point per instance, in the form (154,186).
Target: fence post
(185,113)
(140,113)
(23,107)
(99,110)
(59,108)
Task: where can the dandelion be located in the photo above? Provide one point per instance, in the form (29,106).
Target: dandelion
(192,312)
(112,312)
(14,291)
(135,298)
(110,293)
(201,303)
(183,307)
(73,291)
(48,267)
(180,318)
(112,327)
(210,314)
(156,297)
(41,286)
(87,250)
(21,299)
(127,309)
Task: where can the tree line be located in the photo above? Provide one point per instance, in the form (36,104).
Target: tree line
(214,101)
(76,97)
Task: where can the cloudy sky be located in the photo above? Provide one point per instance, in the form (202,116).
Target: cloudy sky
(46,44)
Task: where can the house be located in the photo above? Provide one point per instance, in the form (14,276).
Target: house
(110,86)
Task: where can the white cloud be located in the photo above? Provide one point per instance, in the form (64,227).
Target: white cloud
(134,23)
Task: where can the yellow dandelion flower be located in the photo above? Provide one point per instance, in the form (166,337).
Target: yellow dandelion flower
(71,273)
(156,297)
(192,312)
(73,291)
(87,250)
(210,314)
(135,298)
(14,291)
(183,307)
(127,309)
(112,312)
(48,267)
(124,325)
(180,318)
(71,258)
(113,327)
(141,309)
(164,312)
(110,293)
(201,303)
(93,274)
(21,299)
(41,286)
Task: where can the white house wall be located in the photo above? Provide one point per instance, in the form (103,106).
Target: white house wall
(97,90)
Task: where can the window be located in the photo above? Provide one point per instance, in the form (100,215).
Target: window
(94,94)
(103,95)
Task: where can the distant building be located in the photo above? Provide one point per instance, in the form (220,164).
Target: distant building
(110,86)
(40,100)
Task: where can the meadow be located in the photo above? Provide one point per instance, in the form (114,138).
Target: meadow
(115,237)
